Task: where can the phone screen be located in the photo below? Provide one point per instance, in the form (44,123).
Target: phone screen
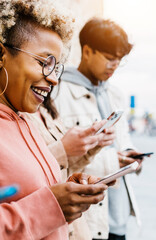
(112,119)
(142,155)
(123,171)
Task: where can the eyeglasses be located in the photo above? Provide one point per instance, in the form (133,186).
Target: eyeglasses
(48,64)
(110,62)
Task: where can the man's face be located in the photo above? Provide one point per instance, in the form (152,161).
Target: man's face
(101,65)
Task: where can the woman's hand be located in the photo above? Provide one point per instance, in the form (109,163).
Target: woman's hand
(83,178)
(76,198)
(78,141)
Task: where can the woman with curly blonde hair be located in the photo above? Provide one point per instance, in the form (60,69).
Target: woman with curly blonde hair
(33,34)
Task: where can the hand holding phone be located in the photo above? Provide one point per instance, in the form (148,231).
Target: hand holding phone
(112,119)
(123,171)
(142,155)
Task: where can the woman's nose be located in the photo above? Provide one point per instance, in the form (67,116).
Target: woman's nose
(52,79)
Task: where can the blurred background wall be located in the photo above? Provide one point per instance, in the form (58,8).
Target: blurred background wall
(82,10)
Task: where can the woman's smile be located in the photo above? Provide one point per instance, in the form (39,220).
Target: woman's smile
(40,92)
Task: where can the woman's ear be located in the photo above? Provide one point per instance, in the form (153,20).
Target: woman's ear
(2,51)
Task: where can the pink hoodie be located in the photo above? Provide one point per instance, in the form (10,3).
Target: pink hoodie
(34,213)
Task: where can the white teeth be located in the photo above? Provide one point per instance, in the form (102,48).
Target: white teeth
(44,93)
(40,92)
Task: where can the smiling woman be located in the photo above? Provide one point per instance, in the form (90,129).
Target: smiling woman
(28,25)
(33,36)
(32,87)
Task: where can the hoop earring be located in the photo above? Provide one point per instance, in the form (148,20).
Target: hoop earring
(6,73)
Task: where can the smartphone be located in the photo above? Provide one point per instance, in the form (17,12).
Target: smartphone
(8,191)
(123,171)
(112,119)
(142,155)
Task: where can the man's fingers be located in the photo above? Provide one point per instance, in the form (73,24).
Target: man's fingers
(88,131)
(93,129)
(126,160)
(98,139)
(109,130)
(103,136)
(91,146)
(105,143)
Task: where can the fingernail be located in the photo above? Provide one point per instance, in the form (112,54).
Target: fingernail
(84,182)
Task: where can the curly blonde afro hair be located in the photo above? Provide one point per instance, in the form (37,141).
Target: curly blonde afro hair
(46,13)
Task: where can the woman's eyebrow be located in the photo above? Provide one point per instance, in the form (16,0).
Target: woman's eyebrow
(45,54)
(48,54)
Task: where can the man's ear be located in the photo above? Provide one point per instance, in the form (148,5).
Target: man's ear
(86,52)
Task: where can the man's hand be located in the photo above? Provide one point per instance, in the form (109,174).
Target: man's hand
(108,137)
(78,141)
(125,158)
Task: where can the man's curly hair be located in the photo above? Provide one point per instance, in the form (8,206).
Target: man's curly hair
(16,16)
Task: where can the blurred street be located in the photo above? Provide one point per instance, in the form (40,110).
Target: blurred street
(145,190)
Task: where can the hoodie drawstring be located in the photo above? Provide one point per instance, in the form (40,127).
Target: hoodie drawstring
(17,121)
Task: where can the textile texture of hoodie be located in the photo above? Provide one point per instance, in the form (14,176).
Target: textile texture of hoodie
(33,213)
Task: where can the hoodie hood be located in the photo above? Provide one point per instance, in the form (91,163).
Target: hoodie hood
(71,74)
(7,113)
(27,132)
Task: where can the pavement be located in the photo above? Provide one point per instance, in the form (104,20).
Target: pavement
(144,187)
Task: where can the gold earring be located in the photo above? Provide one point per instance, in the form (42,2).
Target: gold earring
(6,73)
